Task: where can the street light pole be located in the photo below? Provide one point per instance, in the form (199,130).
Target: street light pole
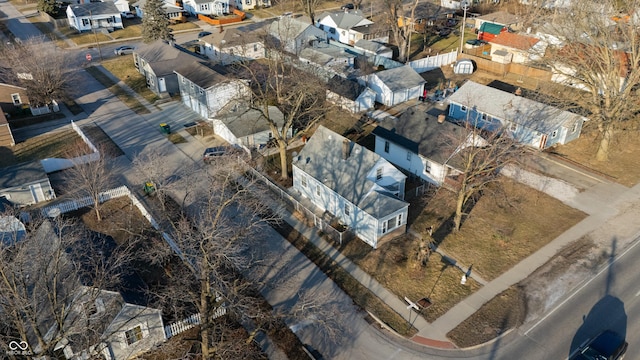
(465,6)
(95,34)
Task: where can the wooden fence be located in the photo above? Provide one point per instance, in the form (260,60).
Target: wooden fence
(434,62)
(493,67)
(240,16)
(189,322)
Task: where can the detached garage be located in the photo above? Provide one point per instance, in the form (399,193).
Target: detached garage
(395,86)
(25,184)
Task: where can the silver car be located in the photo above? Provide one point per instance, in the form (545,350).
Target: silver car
(124,50)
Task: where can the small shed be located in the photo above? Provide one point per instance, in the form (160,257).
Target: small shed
(464,66)
(25,184)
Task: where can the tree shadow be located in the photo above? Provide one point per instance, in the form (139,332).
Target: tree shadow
(607,314)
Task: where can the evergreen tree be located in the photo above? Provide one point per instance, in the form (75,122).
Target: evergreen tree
(48,6)
(155,24)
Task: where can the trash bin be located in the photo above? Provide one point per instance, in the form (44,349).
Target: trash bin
(165,128)
(149,188)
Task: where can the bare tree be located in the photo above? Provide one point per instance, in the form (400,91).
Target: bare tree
(42,300)
(310,7)
(39,66)
(401,27)
(479,155)
(299,95)
(601,57)
(89,177)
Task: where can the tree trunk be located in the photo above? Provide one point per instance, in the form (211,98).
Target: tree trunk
(97,210)
(284,174)
(204,319)
(603,147)
(457,218)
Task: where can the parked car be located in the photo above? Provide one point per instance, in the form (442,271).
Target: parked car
(474,43)
(128,15)
(444,32)
(348,6)
(203,34)
(212,152)
(124,50)
(606,346)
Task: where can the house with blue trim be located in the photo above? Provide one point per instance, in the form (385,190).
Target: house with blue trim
(530,122)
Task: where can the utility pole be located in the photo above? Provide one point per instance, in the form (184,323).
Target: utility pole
(465,6)
(93,28)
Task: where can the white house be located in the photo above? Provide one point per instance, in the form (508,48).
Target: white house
(245,5)
(234,44)
(373,48)
(394,86)
(357,186)
(295,34)
(174,12)
(25,184)
(348,27)
(122,5)
(422,143)
(246,127)
(206,7)
(85,17)
(350,95)
(206,90)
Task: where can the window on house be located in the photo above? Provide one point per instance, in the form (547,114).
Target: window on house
(513,126)
(204,7)
(332,30)
(391,224)
(427,167)
(384,227)
(318,190)
(248,2)
(575,127)
(184,80)
(408,155)
(386,146)
(378,173)
(255,47)
(85,22)
(270,135)
(201,92)
(484,116)
(347,209)
(554,133)
(463,108)
(344,32)
(133,335)
(16,99)
(303,181)
(321,27)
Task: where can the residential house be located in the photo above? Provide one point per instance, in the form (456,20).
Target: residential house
(355,185)
(509,47)
(350,95)
(245,5)
(426,14)
(422,143)
(6,137)
(294,34)
(395,86)
(13,99)
(487,31)
(451,4)
(122,5)
(94,15)
(207,7)
(328,56)
(157,61)
(247,127)
(25,184)
(175,13)
(531,123)
(501,18)
(373,48)
(206,90)
(235,44)
(348,27)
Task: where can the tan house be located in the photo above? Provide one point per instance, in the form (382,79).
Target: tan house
(508,47)
(6,137)
(13,98)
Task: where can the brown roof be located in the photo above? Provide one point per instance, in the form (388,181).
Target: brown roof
(515,41)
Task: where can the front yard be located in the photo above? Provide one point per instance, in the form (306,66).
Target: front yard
(124,69)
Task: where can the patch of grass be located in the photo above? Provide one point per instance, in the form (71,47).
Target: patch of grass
(124,69)
(52,145)
(503,312)
(46,29)
(129,100)
(510,222)
(184,26)
(358,292)
(176,138)
(395,267)
(73,106)
(130,31)
(622,164)
(85,37)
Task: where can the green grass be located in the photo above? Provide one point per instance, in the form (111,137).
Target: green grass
(52,145)
(124,69)
(129,100)
(131,31)
(85,37)
(184,26)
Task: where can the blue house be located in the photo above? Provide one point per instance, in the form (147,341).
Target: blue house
(530,122)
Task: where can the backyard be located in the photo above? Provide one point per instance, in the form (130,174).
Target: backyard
(53,145)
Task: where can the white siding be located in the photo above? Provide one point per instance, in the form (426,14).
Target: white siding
(397,155)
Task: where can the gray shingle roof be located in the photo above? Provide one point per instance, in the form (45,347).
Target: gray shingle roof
(346,20)
(346,88)
(201,75)
(419,131)
(245,122)
(322,159)
(18,175)
(164,58)
(95,8)
(507,106)
(372,46)
(400,78)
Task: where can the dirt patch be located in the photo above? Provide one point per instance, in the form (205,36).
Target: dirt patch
(101,140)
(503,312)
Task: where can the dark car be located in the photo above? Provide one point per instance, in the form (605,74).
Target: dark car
(124,50)
(203,34)
(606,346)
(444,32)
(212,152)
(476,42)
(348,6)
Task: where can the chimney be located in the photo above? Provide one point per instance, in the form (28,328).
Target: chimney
(346,149)
(518,92)
(441,118)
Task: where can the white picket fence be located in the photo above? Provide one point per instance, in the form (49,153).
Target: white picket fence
(72,205)
(188,323)
(434,62)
